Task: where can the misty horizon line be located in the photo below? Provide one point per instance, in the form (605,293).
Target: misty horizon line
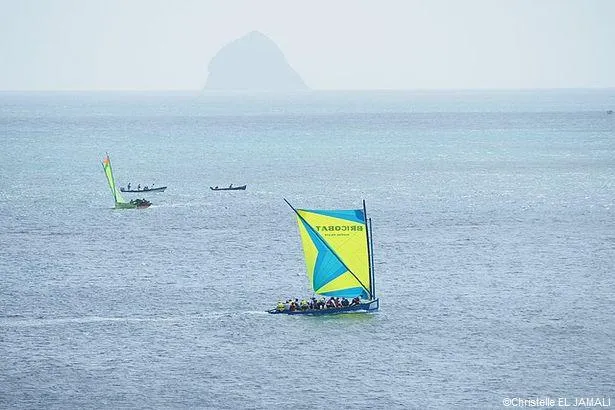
(309,91)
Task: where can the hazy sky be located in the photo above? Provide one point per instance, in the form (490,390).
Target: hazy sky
(332,44)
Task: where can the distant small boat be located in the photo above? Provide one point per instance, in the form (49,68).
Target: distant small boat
(144,189)
(609,112)
(228,188)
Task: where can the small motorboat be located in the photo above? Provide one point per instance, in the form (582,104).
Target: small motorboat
(228,188)
(144,189)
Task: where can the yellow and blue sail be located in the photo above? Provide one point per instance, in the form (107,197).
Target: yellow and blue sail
(335,244)
(117,196)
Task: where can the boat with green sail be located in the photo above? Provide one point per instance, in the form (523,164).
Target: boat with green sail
(120,202)
(338,250)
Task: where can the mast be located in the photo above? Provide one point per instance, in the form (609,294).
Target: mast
(328,247)
(371,247)
(112,180)
(369,252)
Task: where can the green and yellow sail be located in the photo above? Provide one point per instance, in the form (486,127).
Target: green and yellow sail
(337,252)
(117,196)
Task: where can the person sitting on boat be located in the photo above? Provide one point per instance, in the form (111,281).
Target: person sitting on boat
(313,303)
(355,301)
(304,304)
(139,186)
(281,307)
(330,303)
(345,302)
(322,303)
(128,186)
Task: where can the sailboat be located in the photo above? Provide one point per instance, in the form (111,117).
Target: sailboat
(338,250)
(120,202)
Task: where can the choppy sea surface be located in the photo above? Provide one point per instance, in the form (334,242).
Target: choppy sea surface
(494,237)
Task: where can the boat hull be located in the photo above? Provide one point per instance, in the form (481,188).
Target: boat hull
(136,191)
(370,306)
(126,205)
(235,188)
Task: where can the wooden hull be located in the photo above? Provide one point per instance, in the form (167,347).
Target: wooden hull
(370,306)
(235,188)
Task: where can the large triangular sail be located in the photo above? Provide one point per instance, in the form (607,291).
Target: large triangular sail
(117,196)
(337,252)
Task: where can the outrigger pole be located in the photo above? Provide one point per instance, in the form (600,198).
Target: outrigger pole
(328,247)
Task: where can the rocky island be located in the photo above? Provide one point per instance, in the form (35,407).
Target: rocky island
(252,63)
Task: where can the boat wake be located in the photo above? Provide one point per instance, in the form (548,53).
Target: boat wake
(20,321)
(176,205)
(23,321)
(255,312)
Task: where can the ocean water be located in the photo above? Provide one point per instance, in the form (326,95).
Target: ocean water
(494,237)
